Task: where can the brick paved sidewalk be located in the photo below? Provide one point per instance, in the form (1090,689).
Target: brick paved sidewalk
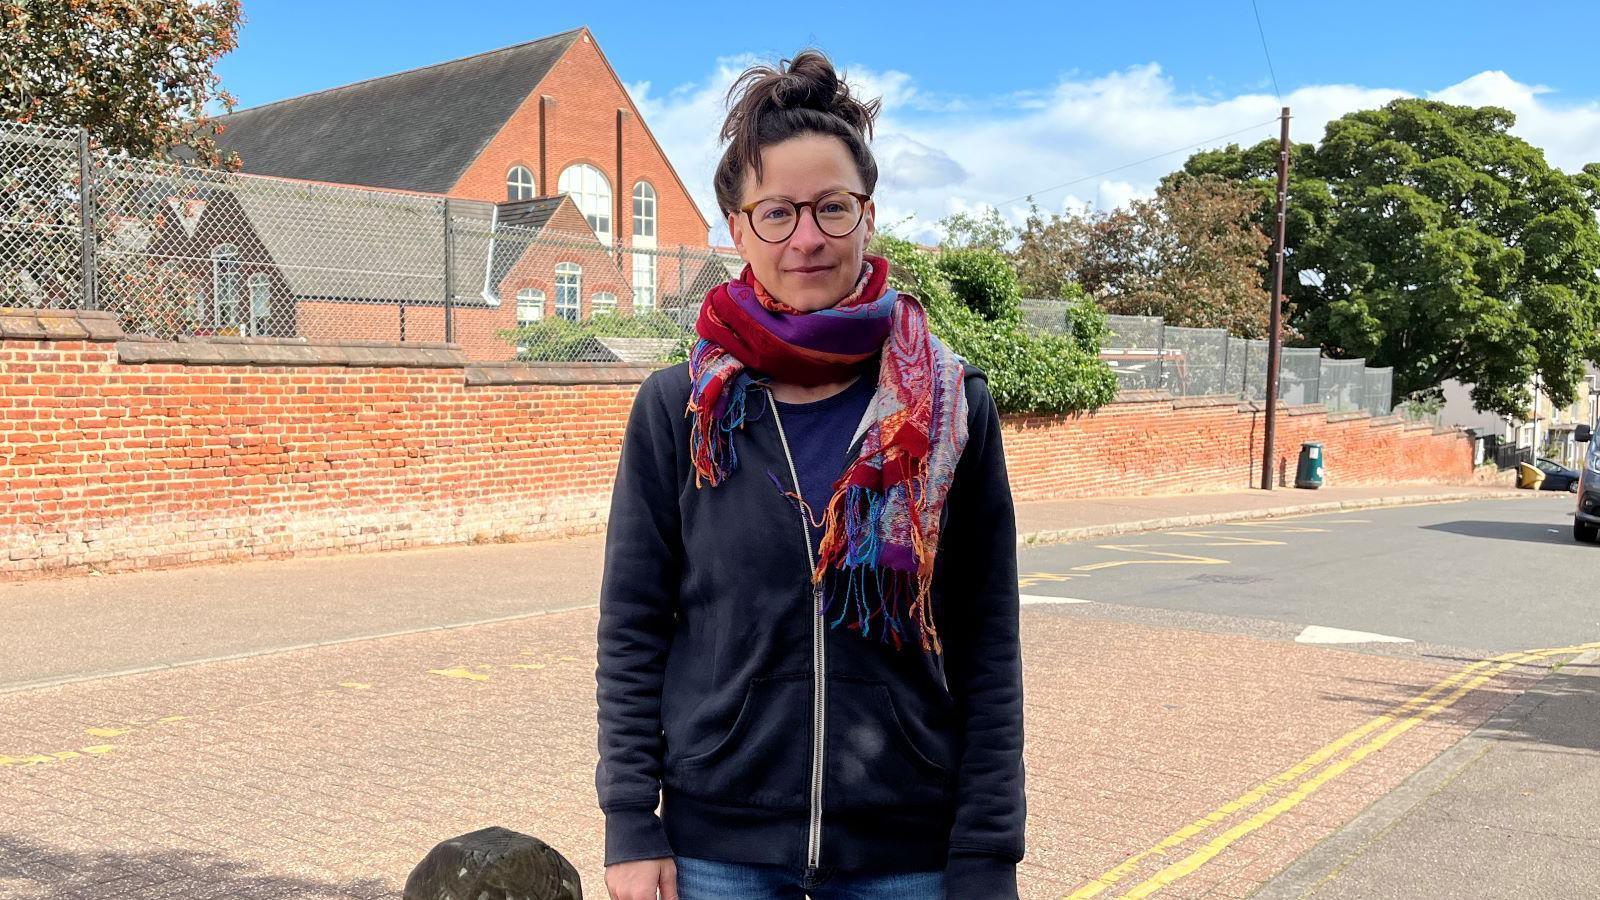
(328,772)
(85,626)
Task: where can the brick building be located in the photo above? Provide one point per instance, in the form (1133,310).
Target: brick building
(512,130)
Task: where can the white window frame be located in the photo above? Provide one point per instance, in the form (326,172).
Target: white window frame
(530,299)
(644,282)
(603,303)
(569,290)
(227,287)
(523,187)
(258,288)
(644,212)
(590,189)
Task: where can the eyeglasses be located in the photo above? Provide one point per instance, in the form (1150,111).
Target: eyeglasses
(837,214)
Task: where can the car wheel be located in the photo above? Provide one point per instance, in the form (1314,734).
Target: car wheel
(1586,532)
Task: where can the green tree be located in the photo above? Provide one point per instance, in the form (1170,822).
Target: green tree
(139,74)
(987,230)
(1193,255)
(1028,372)
(1425,236)
(984,280)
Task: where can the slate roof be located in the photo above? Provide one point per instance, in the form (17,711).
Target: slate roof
(339,243)
(417,130)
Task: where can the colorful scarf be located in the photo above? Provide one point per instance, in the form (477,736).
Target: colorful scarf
(882,523)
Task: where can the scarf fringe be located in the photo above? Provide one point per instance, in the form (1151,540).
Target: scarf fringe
(852,574)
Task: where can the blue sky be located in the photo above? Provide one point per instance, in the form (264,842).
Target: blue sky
(981,110)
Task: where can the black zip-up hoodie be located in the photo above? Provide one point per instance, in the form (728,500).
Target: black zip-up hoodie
(711,657)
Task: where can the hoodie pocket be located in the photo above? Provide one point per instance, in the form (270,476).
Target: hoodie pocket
(765,758)
(872,760)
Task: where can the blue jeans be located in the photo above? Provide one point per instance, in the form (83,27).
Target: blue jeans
(704,879)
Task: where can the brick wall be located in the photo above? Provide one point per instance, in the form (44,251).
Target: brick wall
(119,453)
(1151,443)
(580,126)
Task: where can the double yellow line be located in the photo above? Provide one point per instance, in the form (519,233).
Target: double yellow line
(1388,726)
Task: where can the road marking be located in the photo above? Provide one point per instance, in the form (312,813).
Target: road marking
(1322,634)
(1032,599)
(106,732)
(38,759)
(1414,713)
(1167,559)
(1033,578)
(461,672)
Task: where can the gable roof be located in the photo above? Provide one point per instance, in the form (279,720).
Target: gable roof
(417,130)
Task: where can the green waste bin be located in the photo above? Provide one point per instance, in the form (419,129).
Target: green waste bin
(1309,473)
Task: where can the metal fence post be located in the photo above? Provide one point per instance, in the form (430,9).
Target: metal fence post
(449,276)
(683,262)
(86,220)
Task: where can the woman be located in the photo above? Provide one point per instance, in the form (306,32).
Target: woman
(808,647)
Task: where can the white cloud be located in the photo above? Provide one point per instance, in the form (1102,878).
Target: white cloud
(1077,138)
(1569,134)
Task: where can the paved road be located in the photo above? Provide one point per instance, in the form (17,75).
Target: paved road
(1484,576)
(1180,741)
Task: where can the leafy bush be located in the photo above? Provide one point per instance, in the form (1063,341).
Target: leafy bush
(563,340)
(984,281)
(1028,373)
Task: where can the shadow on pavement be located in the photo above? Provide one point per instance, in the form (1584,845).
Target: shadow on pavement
(55,873)
(1559,532)
(1566,718)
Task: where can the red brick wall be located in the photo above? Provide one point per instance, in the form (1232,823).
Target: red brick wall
(582,127)
(1156,445)
(118,465)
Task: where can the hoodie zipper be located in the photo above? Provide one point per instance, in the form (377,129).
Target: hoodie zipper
(818,667)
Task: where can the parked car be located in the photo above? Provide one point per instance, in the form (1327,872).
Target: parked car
(1586,518)
(1556,476)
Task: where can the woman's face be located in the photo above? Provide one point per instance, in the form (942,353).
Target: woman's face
(809,270)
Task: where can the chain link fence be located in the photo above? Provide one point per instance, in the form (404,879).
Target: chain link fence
(1147,354)
(41,226)
(176,250)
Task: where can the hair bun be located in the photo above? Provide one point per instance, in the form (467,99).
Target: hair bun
(770,104)
(809,83)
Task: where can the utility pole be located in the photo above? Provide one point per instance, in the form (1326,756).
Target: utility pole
(1275,326)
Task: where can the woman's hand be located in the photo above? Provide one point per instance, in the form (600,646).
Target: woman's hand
(642,879)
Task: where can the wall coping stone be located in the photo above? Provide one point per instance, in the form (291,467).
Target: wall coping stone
(1349,415)
(1386,421)
(292,352)
(59,325)
(1419,426)
(1142,396)
(484,374)
(1310,409)
(1205,400)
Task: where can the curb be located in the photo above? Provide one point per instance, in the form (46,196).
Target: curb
(1091,532)
(1316,867)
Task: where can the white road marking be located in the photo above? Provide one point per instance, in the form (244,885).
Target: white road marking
(1322,634)
(1031,599)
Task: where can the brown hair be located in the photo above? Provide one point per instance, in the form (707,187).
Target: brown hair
(768,105)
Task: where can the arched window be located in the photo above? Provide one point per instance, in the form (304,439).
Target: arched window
(519,183)
(259,287)
(226,286)
(569,282)
(644,211)
(530,306)
(592,192)
(603,303)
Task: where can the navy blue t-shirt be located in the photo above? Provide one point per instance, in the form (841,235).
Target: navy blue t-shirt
(819,436)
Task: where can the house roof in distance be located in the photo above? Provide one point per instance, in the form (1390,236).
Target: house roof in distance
(417,130)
